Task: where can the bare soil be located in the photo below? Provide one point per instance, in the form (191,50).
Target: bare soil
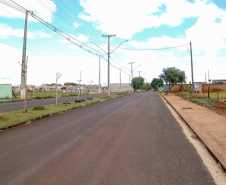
(219,107)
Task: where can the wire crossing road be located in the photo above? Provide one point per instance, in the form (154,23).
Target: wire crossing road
(130,140)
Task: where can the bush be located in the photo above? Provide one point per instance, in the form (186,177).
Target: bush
(73,94)
(44,97)
(38,97)
(40,107)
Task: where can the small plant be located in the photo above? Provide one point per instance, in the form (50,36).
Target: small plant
(2,115)
(40,107)
(38,97)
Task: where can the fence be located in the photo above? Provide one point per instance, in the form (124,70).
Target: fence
(212,91)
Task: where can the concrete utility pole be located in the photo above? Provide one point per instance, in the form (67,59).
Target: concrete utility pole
(25,99)
(208,76)
(23,72)
(131,73)
(109,36)
(79,83)
(58,75)
(99,74)
(192,77)
(139,73)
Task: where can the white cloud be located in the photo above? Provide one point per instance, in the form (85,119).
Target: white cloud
(42,9)
(6,32)
(10,68)
(126,18)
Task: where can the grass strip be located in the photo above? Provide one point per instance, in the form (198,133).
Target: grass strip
(15,118)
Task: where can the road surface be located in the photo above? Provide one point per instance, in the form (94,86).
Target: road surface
(131,140)
(11,106)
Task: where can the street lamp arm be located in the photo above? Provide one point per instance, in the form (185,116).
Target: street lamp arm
(99,47)
(118,46)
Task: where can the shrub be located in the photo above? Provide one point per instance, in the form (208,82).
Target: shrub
(40,107)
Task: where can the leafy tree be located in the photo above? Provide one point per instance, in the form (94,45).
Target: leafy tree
(172,76)
(70,83)
(146,86)
(138,83)
(157,82)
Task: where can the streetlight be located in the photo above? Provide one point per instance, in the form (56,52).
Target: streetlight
(109,53)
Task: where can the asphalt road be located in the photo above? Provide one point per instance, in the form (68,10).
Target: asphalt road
(130,140)
(11,106)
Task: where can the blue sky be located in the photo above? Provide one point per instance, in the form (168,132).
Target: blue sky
(147,24)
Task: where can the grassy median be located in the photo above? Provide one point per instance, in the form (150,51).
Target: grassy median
(14,118)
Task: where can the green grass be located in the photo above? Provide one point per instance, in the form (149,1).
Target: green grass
(16,117)
(210,103)
(181,93)
(44,95)
(213,96)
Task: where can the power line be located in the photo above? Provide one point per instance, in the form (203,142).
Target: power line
(154,48)
(50,26)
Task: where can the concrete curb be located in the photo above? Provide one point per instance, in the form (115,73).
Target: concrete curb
(212,154)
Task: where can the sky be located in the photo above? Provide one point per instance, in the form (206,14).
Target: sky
(158,34)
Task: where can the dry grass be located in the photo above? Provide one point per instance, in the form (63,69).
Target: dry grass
(2,115)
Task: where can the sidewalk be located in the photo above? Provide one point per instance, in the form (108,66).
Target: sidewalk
(208,125)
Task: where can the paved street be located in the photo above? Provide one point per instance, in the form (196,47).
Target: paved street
(130,140)
(6,107)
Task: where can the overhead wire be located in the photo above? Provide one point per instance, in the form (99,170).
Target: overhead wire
(63,14)
(58,31)
(145,49)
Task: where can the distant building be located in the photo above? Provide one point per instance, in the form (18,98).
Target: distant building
(218,81)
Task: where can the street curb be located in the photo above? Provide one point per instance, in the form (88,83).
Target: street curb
(211,153)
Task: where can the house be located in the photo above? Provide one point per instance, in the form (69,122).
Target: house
(218,81)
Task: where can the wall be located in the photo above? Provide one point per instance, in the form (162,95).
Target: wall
(203,88)
(6,91)
(115,87)
(213,87)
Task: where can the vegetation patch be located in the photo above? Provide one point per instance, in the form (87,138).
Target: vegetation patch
(212,104)
(2,115)
(40,107)
(14,118)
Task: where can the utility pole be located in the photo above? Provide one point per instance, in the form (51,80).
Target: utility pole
(99,74)
(208,76)
(25,99)
(131,73)
(79,84)
(58,75)
(205,77)
(23,72)
(139,73)
(109,36)
(192,77)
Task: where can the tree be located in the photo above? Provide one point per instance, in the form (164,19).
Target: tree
(157,82)
(172,76)
(138,83)
(146,86)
